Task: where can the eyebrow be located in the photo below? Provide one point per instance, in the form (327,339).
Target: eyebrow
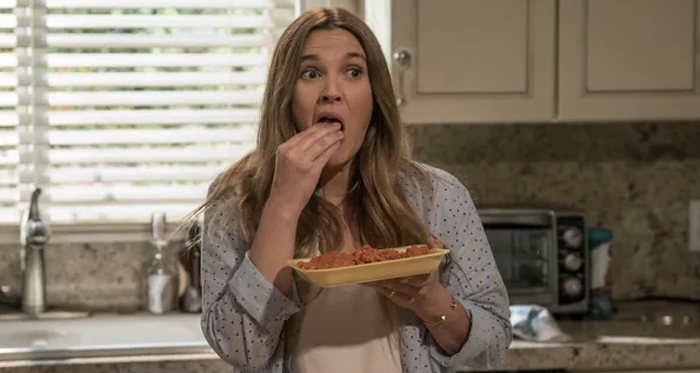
(348,56)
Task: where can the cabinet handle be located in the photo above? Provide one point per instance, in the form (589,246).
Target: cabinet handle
(403,59)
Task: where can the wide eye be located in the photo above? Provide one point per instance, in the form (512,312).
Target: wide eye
(310,74)
(354,73)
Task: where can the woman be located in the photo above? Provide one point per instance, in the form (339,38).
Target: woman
(331,172)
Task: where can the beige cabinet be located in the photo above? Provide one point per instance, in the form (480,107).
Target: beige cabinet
(628,60)
(486,61)
(457,61)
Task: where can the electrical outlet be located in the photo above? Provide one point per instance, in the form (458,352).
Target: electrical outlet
(694,226)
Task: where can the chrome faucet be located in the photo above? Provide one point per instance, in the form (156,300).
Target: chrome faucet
(34,236)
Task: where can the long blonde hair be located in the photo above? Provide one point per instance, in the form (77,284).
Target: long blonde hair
(379,206)
(381,210)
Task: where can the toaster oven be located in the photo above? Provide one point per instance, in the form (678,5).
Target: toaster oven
(542,256)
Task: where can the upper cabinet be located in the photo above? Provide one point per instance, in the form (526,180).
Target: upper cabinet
(488,61)
(474,60)
(628,60)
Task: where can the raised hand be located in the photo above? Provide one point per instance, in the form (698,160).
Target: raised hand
(300,161)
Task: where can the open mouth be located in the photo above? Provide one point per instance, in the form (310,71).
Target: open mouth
(331,119)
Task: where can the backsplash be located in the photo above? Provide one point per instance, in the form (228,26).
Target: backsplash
(636,179)
(97,276)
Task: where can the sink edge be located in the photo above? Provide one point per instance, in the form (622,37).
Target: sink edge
(50,315)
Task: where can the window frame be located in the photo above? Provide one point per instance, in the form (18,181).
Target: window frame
(76,233)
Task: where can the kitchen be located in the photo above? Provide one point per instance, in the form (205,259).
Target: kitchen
(519,129)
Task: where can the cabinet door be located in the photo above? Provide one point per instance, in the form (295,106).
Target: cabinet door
(474,60)
(628,60)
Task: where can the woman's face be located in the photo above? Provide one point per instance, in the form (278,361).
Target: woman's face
(333,84)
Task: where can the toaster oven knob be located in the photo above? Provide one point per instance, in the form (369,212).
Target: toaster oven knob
(572,287)
(573,262)
(573,237)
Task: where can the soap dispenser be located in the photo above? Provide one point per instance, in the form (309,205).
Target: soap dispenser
(161,276)
(190,256)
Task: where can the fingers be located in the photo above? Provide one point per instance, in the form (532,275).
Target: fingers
(323,158)
(319,137)
(397,296)
(403,286)
(312,132)
(417,281)
(435,243)
(406,292)
(411,282)
(323,148)
(319,146)
(378,286)
(399,287)
(321,141)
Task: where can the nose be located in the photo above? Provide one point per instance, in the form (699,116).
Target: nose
(331,92)
(330,97)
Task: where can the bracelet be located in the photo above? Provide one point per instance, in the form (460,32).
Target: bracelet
(453,305)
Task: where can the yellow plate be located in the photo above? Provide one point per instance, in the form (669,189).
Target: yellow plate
(334,277)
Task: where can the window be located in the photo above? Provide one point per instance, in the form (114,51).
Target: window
(119,109)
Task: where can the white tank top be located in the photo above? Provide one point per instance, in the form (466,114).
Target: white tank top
(343,330)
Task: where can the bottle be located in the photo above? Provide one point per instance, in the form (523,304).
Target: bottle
(191,298)
(161,276)
(600,245)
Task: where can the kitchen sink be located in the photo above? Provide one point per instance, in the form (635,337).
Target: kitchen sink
(101,336)
(35,339)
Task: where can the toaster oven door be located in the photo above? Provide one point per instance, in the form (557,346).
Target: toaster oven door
(526,258)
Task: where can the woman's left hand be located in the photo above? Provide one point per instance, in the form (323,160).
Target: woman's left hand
(416,293)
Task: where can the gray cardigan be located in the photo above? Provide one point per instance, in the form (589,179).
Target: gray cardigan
(244,314)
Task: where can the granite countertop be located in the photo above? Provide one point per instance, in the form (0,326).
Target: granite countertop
(673,349)
(643,335)
(610,345)
(626,343)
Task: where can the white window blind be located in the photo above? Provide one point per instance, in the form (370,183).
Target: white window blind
(118,109)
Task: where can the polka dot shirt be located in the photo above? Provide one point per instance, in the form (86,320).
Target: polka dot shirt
(244,315)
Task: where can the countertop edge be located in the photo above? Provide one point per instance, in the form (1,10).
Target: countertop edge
(594,355)
(124,359)
(521,355)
